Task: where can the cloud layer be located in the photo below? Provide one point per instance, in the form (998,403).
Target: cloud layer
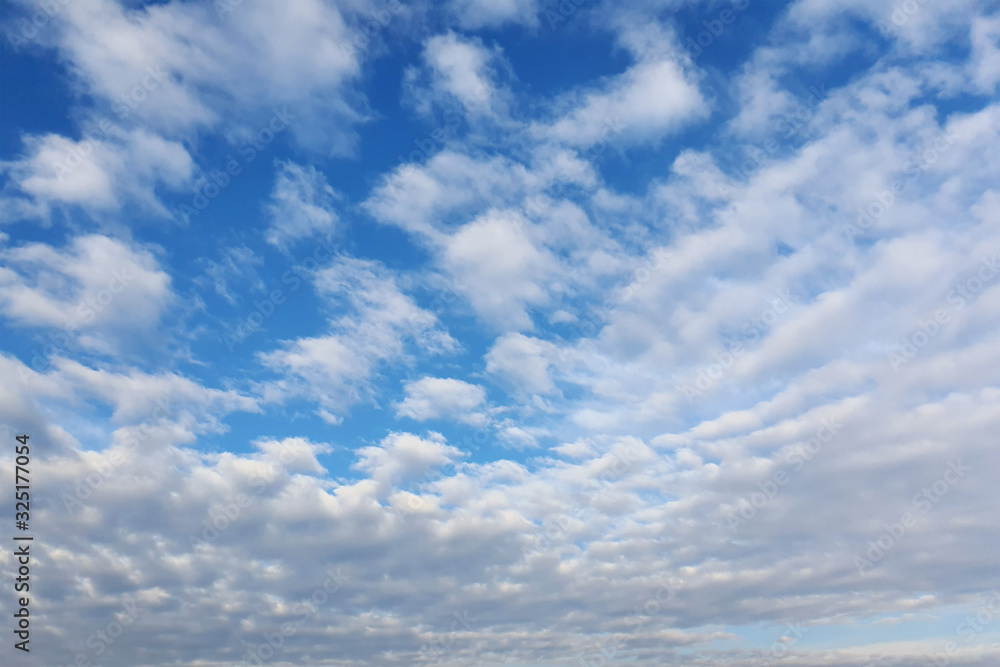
(641,353)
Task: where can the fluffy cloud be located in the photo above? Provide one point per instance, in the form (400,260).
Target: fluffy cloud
(195,48)
(96,290)
(526,247)
(495,262)
(646,102)
(160,74)
(449,187)
(101,172)
(743,390)
(464,70)
(522,361)
(985,63)
(655,96)
(404,457)
(436,398)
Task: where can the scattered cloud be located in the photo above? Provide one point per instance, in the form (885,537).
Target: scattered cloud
(437,398)
(634,353)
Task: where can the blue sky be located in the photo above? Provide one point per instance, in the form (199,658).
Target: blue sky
(664,329)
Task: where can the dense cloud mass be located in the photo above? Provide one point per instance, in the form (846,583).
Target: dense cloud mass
(482,333)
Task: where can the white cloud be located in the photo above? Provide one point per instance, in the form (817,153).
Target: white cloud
(655,96)
(135,395)
(460,67)
(575,450)
(520,438)
(97,290)
(463,71)
(526,248)
(494,537)
(985,63)
(647,102)
(101,172)
(423,199)
(302,205)
(404,457)
(502,271)
(198,48)
(522,361)
(149,412)
(536,535)
(918,28)
(379,325)
(547,556)
(437,398)
(159,75)
(298,454)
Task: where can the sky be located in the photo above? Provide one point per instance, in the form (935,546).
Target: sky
(502,333)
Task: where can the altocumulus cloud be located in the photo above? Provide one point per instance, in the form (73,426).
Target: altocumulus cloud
(601,368)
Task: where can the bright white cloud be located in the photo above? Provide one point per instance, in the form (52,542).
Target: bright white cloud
(197,48)
(101,172)
(648,101)
(437,398)
(687,373)
(94,291)
(160,74)
(655,96)
(404,457)
(522,361)
(298,454)
(460,68)
(450,186)
(460,75)
(495,262)
(525,250)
